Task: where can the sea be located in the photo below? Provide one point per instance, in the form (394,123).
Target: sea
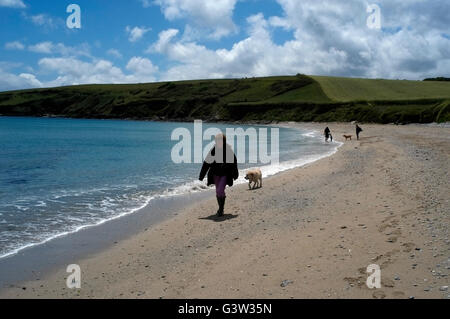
(59,176)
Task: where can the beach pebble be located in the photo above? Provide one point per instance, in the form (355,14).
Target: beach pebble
(284,283)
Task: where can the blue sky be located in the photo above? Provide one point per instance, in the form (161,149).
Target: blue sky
(157,40)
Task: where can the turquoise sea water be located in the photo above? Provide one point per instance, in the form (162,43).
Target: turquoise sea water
(60,175)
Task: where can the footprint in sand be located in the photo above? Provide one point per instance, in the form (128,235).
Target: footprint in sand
(392,239)
(408,247)
(385,282)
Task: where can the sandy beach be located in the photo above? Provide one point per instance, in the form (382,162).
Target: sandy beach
(309,232)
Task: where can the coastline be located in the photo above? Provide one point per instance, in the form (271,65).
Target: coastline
(243,250)
(183,190)
(50,254)
(55,253)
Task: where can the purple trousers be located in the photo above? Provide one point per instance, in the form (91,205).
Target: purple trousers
(221,183)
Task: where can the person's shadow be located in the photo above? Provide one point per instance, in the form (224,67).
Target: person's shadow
(218,219)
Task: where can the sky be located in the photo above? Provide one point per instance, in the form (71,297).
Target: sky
(138,41)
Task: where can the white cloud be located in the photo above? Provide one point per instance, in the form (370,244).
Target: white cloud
(114,53)
(7,65)
(10,81)
(73,71)
(247,57)
(70,69)
(42,19)
(213,19)
(42,47)
(164,39)
(256,55)
(136,33)
(145,3)
(15,45)
(141,66)
(331,39)
(409,46)
(12,3)
(48,47)
(31,79)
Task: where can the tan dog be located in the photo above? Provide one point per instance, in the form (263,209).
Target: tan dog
(348,137)
(254,176)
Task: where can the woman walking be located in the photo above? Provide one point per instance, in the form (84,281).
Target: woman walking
(221,167)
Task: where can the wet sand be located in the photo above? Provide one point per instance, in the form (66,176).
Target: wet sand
(309,232)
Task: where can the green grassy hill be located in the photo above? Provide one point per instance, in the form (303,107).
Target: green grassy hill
(351,89)
(283,98)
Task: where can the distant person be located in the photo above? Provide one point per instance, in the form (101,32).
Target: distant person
(358,130)
(222,169)
(327,134)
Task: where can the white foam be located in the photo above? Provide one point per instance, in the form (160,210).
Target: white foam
(310,134)
(77,229)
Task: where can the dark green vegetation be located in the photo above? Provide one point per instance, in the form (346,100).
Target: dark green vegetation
(288,98)
(438,79)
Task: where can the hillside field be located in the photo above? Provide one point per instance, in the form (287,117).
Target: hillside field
(268,99)
(351,89)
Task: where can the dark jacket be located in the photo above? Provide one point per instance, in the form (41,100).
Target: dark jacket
(230,170)
(358,129)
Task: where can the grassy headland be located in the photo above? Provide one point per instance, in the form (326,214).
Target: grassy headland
(282,98)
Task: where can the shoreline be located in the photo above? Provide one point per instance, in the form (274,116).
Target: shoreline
(237,122)
(54,253)
(280,225)
(161,120)
(176,198)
